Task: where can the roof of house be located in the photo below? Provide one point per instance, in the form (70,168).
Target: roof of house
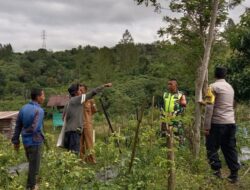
(58,100)
(8,114)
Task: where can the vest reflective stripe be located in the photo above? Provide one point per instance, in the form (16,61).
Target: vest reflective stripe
(170,102)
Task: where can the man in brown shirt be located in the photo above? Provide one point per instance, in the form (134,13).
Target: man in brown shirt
(86,142)
(221,132)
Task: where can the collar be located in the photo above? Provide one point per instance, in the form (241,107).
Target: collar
(220,80)
(176,92)
(34,103)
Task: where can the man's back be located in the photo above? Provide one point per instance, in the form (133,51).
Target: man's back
(74,118)
(30,122)
(224,100)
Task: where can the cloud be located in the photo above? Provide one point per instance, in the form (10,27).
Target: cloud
(69,23)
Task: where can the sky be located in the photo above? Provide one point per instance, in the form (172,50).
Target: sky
(70,23)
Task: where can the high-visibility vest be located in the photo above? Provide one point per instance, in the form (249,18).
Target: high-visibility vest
(172,102)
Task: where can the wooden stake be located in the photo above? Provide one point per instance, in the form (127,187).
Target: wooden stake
(139,119)
(170,157)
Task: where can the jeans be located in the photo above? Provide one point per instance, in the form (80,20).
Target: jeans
(33,154)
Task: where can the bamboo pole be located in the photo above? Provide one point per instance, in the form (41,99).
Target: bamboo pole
(139,119)
(109,123)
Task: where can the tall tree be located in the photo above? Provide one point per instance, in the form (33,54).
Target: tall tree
(239,64)
(201,77)
(103,69)
(5,50)
(127,53)
(127,38)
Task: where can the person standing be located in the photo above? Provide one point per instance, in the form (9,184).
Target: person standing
(86,142)
(30,124)
(220,127)
(73,114)
(173,104)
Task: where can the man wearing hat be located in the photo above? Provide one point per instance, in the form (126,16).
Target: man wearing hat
(220,128)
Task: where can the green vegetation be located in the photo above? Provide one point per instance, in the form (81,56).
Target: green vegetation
(138,72)
(63,170)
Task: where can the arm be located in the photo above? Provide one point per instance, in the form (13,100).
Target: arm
(161,102)
(183,101)
(209,100)
(64,111)
(82,98)
(95,91)
(208,117)
(18,129)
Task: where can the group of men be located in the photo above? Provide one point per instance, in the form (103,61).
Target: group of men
(220,125)
(77,116)
(77,131)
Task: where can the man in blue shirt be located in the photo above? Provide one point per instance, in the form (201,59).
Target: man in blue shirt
(30,123)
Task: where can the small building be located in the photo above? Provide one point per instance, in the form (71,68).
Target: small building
(8,122)
(58,102)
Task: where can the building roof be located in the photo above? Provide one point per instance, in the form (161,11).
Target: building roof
(8,114)
(58,100)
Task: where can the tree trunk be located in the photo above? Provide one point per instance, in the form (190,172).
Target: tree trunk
(201,74)
(204,91)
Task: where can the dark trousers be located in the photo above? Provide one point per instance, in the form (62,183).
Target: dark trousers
(72,141)
(33,154)
(222,136)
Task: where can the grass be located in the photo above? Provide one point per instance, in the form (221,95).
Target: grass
(62,170)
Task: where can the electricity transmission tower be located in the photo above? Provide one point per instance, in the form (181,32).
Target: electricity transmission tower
(44,39)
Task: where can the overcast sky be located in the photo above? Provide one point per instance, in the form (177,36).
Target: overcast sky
(69,23)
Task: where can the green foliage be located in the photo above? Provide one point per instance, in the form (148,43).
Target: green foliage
(8,158)
(2,82)
(194,20)
(239,64)
(64,170)
(5,50)
(126,38)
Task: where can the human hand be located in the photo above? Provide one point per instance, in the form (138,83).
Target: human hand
(206,132)
(108,85)
(79,130)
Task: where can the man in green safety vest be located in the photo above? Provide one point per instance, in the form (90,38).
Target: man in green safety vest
(174,102)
